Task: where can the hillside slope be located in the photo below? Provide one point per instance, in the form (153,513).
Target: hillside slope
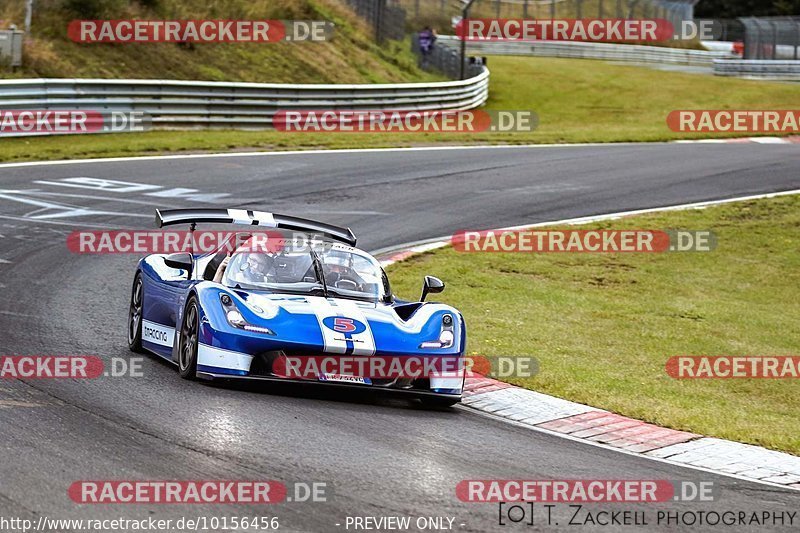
(351,57)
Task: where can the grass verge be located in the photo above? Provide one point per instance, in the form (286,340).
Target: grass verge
(577,101)
(350,56)
(603,325)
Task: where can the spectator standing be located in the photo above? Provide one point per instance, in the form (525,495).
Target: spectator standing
(426,38)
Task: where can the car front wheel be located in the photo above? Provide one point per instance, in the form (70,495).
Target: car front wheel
(135,315)
(190,327)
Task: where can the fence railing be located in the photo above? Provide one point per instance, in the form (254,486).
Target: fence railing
(202,104)
(777,70)
(771,37)
(720,61)
(446,58)
(388,21)
(581,50)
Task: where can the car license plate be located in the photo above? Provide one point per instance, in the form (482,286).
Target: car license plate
(344,378)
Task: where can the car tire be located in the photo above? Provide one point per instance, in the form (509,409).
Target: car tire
(436,401)
(187,348)
(135,315)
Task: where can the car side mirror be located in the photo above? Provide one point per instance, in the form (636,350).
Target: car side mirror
(431,285)
(183,261)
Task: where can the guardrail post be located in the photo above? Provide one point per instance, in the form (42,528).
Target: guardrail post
(463,55)
(796,37)
(774,39)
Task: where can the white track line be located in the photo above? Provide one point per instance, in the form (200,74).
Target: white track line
(307,152)
(349,151)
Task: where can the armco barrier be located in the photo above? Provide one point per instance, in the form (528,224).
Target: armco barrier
(580,50)
(778,70)
(203,104)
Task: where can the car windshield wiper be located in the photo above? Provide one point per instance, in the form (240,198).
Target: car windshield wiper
(318,272)
(362,296)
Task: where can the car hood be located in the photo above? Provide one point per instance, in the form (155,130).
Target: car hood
(340,325)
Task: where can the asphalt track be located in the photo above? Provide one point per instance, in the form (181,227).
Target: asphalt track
(379,456)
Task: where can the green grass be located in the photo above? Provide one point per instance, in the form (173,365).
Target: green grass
(593,101)
(352,56)
(577,101)
(603,325)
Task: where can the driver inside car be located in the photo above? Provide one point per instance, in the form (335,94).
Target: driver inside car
(253,267)
(339,273)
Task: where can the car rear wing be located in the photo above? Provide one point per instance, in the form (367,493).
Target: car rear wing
(170,217)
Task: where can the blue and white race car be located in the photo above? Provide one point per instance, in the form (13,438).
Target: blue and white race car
(269,307)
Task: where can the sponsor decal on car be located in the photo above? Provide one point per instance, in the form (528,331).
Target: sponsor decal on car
(344,324)
(157,333)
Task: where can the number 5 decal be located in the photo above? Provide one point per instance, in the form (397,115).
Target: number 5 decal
(344,325)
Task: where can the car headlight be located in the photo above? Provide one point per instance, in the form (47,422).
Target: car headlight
(236,319)
(446,336)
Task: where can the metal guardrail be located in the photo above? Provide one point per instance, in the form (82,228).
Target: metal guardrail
(721,62)
(778,70)
(202,104)
(604,51)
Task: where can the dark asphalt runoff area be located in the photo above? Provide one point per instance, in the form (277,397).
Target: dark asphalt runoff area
(378,456)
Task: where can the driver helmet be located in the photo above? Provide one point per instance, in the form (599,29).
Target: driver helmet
(337,262)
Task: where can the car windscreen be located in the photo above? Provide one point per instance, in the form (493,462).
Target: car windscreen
(347,273)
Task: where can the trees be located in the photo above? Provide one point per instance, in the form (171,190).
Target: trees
(746,8)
